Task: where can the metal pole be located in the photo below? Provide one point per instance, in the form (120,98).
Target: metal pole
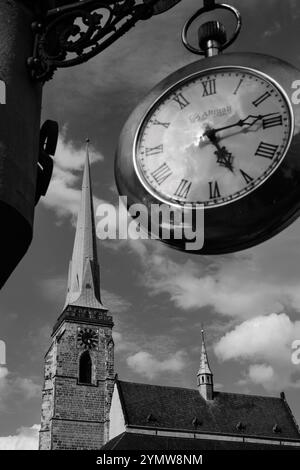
(20,109)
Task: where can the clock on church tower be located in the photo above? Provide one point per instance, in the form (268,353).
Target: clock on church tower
(87,338)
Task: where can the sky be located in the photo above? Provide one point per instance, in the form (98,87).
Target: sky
(249,302)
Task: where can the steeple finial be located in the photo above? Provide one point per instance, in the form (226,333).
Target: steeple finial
(205,376)
(84,273)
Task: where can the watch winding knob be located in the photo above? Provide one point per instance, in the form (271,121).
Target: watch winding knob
(211,36)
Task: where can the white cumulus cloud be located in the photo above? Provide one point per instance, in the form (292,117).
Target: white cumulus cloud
(266,343)
(149,366)
(260,373)
(26,438)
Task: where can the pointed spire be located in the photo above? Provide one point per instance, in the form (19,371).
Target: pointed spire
(205,376)
(204,364)
(84,273)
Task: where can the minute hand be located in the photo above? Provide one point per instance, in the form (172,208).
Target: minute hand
(248,121)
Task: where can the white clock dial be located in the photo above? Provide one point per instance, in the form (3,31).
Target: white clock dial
(213,137)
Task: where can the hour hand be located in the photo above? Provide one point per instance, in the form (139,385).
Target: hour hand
(225,158)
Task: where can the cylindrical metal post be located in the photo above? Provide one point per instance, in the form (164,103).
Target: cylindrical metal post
(20,108)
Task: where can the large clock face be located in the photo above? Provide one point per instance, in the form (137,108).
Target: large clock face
(214,137)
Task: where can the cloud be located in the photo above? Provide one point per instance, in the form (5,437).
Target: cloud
(54,289)
(13,387)
(146,364)
(121,344)
(243,285)
(274,29)
(26,438)
(114,302)
(3,374)
(149,356)
(260,373)
(27,387)
(63,195)
(265,342)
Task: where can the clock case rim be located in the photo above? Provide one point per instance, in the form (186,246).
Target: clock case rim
(222,233)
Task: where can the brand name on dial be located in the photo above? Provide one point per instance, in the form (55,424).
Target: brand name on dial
(218,112)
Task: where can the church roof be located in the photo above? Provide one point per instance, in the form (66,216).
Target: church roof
(154,406)
(134,441)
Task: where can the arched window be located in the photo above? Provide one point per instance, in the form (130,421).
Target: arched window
(85,368)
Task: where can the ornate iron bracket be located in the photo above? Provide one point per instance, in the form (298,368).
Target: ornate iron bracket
(73,33)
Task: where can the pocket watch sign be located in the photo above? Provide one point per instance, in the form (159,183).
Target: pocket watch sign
(220,135)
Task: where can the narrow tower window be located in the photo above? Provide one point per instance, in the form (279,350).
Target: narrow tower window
(85,368)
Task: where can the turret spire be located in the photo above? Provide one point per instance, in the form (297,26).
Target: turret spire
(84,273)
(205,376)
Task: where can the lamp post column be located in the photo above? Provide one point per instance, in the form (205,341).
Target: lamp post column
(20,108)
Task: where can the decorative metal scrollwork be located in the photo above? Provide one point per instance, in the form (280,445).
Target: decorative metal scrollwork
(74,33)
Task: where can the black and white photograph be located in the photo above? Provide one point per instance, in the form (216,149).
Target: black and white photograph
(150,231)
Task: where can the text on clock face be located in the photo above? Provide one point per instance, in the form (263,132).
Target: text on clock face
(214,137)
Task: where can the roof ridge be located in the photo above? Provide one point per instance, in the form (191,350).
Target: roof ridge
(195,390)
(156,385)
(251,395)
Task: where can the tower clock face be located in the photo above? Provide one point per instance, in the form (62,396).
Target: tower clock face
(213,137)
(87,338)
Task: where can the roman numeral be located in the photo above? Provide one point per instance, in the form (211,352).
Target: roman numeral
(154,150)
(272,121)
(181,100)
(183,188)
(266,150)
(158,123)
(214,191)
(238,87)
(246,177)
(209,87)
(261,99)
(161,173)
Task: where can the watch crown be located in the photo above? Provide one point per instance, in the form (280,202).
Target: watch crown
(211,35)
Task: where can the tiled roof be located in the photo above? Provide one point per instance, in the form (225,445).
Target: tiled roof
(154,406)
(135,441)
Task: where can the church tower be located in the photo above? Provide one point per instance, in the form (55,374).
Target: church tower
(79,365)
(205,377)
